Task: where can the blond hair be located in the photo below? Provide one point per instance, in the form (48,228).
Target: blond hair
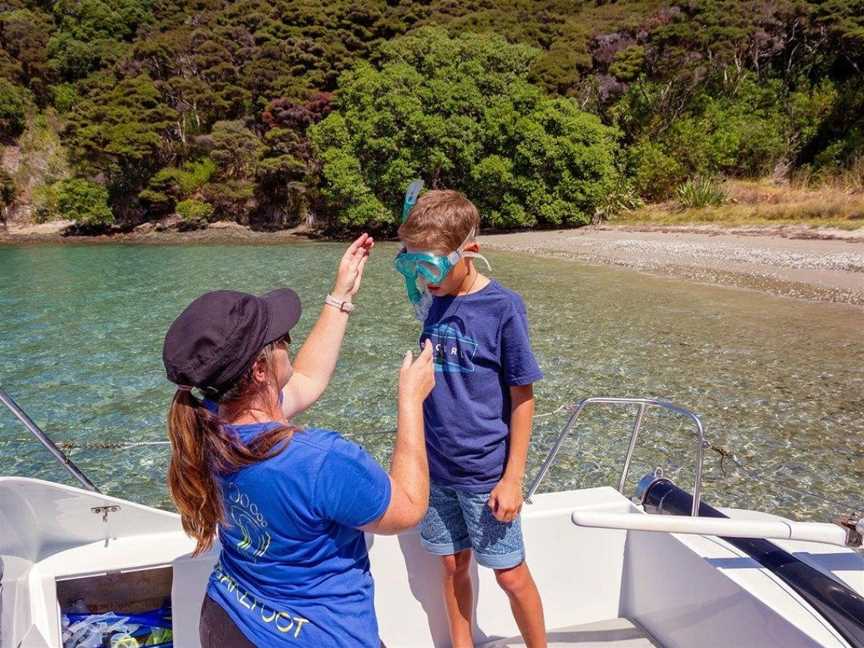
(441,220)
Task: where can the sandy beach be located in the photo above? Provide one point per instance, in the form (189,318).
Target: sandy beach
(817,265)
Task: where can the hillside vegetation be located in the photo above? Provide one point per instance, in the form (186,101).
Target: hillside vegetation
(546,112)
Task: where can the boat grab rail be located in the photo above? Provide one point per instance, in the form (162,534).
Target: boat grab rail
(43,438)
(644,404)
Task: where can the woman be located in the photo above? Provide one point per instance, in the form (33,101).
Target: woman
(289,506)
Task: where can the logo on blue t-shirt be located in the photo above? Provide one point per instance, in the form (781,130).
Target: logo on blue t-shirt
(453,351)
(251,522)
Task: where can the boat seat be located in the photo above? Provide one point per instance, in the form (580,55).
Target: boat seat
(611,633)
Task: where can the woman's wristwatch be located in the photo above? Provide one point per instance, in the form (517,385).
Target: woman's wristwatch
(343,305)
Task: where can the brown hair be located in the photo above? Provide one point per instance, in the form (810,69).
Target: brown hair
(441,220)
(203,449)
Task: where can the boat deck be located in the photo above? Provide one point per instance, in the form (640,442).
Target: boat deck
(611,633)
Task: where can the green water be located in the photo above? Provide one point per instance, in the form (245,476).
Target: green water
(777,381)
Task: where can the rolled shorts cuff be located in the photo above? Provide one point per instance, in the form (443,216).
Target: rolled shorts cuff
(500,561)
(446,548)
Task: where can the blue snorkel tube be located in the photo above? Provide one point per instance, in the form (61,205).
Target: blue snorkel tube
(411,194)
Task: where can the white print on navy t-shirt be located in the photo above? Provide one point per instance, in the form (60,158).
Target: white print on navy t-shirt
(452,350)
(250,521)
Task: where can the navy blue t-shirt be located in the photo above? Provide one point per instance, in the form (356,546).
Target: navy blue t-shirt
(481,348)
(294,570)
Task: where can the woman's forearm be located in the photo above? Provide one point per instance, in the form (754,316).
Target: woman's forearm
(317,358)
(409,466)
(315,362)
(409,474)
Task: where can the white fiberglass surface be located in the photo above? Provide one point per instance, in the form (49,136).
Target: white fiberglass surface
(684,590)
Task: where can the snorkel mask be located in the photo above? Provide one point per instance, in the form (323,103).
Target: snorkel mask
(420,269)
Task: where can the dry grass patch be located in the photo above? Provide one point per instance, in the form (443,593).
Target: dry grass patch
(764,202)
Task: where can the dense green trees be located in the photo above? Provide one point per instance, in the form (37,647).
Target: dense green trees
(288,169)
(7,194)
(459,112)
(91,34)
(24,58)
(218,101)
(13,106)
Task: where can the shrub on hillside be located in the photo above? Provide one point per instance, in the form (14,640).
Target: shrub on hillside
(84,202)
(172,184)
(744,133)
(45,206)
(194,210)
(700,192)
(737,127)
(232,200)
(64,97)
(654,173)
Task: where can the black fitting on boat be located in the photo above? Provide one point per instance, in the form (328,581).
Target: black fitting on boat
(646,483)
(838,604)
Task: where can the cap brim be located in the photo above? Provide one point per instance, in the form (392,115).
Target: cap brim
(284,308)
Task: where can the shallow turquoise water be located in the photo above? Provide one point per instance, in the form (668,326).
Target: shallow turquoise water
(777,381)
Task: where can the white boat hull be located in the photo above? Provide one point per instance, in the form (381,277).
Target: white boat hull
(682,590)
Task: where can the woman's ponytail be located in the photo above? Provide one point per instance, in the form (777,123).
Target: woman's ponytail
(203,450)
(191,480)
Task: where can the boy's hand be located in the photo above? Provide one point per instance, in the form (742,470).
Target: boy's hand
(505,500)
(350,271)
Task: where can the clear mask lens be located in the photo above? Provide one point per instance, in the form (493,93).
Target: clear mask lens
(423,268)
(431,268)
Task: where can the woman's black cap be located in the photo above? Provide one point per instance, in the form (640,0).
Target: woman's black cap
(220,334)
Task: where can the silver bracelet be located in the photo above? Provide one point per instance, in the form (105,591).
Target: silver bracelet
(342,305)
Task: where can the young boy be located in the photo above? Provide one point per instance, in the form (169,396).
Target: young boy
(478,416)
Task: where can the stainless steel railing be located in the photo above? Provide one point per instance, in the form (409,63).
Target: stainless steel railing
(43,438)
(644,404)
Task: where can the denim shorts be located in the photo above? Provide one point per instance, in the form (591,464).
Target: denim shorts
(458,520)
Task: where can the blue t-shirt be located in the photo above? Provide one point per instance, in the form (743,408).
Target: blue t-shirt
(481,348)
(294,570)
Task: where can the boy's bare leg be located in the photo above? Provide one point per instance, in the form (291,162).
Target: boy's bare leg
(458,597)
(525,602)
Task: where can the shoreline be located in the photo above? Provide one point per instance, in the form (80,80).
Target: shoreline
(814,265)
(820,265)
(216,233)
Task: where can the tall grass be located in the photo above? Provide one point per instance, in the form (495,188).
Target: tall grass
(848,179)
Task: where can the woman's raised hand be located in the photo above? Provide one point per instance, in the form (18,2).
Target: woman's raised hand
(350,271)
(417,377)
